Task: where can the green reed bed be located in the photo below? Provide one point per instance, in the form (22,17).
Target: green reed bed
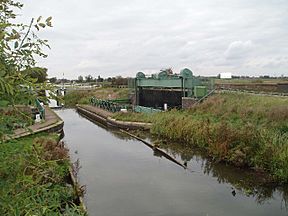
(242,129)
(34,178)
(134,117)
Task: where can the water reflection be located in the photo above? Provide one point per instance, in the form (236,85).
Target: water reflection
(113,131)
(123,136)
(244,181)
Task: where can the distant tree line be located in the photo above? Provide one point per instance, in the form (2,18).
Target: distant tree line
(254,77)
(261,77)
(114,81)
(119,80)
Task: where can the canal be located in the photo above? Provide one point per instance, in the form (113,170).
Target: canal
(124,177)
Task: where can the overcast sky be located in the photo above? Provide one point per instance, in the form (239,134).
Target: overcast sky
(122,37)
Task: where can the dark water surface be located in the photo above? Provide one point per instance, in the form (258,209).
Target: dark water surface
(126,178)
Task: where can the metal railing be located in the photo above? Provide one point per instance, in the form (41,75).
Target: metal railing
(41,108)
(206,96)
(110,105)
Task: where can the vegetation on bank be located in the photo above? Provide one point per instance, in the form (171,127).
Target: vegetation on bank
(242,129)
(83,96)
(251,80)
(33,178)
(11,119)
(33,171)
(134,117)
(19,45)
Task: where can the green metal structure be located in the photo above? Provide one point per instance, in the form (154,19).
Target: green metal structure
(110,105)
(40,108)
(186,82)
(117,104)
(142,109)
(200,91)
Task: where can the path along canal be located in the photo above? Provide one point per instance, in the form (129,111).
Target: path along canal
(126,178)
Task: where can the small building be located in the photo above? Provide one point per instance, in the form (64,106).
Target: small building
(225,75)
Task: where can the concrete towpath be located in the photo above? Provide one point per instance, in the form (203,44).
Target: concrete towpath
(52,123)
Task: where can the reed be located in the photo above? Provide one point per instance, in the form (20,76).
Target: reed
(241,129)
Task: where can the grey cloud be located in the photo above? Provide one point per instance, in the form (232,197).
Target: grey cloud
(238,49)
(113,37)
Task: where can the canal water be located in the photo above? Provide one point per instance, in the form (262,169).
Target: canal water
(124,177)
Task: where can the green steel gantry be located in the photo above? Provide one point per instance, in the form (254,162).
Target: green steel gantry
(190,85)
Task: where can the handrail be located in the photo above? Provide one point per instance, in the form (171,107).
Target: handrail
(207,95)
(110,105)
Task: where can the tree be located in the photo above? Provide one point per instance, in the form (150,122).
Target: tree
(53,80)
(80,79)
(99,79)
(38,73)
(88,78)
(119,80)
(19,44)
(168,70)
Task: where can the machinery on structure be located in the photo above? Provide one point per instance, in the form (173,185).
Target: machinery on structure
(167,89)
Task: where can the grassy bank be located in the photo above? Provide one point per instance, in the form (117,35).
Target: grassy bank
(244,130)
(250,81)
(33,178)
(83,96)
(241,129)
(134,117)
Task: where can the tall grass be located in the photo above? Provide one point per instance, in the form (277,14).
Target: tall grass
(83,96)
(11,119)
(33,174)
(134,117)
(241,129)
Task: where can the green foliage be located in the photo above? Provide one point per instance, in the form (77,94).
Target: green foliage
(33,178)
(40,74)
(20,83)
(11,119)
(134,117)
(53,80)
(19,45)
